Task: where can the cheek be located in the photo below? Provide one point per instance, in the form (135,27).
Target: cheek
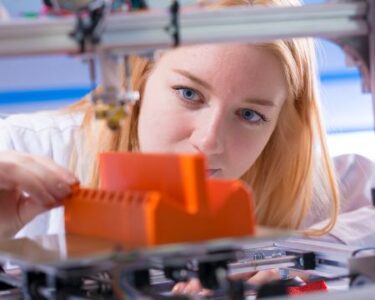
(246,149)
(161,125)
(250,144)
(157,132)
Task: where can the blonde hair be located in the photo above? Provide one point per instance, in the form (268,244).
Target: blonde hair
(294,169)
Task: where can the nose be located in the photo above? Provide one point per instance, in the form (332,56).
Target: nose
(208,134)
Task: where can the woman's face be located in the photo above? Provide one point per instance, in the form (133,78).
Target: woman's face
(222,101)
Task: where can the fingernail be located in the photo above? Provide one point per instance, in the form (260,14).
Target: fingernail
(63,189)
(51,203)
(176,288)
(71,179)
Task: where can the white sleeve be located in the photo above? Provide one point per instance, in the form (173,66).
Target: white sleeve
(24,133)
(46,134)
(6,143)
(356,223)
(354,228)
(356,176)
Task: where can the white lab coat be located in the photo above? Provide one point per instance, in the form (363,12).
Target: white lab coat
(52,134)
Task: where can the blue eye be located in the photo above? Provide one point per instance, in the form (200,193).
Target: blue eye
(188,94)
(251,116)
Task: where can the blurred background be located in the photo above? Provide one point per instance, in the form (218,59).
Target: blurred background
(49,82)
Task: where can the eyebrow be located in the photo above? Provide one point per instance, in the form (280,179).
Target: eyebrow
(194,78)
(263,102)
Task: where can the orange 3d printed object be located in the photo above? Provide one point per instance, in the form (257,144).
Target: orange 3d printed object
(155,199)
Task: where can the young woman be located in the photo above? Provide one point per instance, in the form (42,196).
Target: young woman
(252,110)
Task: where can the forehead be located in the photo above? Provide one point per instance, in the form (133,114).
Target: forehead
(238,66)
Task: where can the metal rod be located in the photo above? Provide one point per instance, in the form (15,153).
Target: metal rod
(11,280)
(145,31)
(264,262)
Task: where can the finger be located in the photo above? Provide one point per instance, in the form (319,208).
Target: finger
(7,180)
(205,293)
(22,179)
(15,213)
(242,276)
(9,223)
(298,274)
(178,288)
(264,276)
(51,181)
(192,287)
(54,178)
(28,210)
(60,181)
(24,160)
(60,171)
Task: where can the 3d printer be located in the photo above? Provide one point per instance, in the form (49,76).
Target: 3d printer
(84,267)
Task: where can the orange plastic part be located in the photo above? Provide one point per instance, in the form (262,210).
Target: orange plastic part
(154,199)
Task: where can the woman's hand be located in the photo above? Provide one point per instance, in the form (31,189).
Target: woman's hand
(29,185)
(193,286)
